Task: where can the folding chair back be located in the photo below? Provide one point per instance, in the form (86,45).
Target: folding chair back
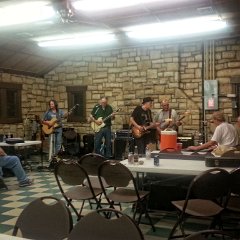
(211,184)
(115,174)
(235,181)
(91,162)
(44,218)
(117,228)
(70,173)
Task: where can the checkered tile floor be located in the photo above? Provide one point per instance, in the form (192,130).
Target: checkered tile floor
(13,200)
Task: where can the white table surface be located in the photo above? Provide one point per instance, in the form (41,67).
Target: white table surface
(170,166)
(25,144)
(8,237)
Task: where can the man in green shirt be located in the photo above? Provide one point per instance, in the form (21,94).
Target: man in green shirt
(101,117)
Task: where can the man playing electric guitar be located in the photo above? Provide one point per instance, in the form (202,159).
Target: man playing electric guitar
(167,117)
(143,128)
(102,129)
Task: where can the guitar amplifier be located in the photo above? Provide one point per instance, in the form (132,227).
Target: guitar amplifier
(186,141)
(14,140)
(120,146)
(124,133)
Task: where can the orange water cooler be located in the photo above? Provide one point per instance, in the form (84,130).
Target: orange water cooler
(168,139)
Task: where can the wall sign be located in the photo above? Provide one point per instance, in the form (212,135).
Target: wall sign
(211,94)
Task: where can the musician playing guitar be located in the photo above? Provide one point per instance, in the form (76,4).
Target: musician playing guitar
(167,117)
(53,119)
(101,111)
(143,128)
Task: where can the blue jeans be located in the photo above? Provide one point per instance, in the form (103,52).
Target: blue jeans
(57,140)
(105,133)
(13,163)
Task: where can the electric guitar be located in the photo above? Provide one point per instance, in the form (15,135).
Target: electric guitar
(97,127)
(175,126)
(53,123)
(139,133)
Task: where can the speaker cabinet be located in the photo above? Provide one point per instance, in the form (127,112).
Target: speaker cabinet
(122,144)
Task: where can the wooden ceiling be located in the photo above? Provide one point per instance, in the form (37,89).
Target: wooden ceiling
(20,54)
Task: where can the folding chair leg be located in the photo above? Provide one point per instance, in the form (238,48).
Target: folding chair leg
(80,211)
(174,229)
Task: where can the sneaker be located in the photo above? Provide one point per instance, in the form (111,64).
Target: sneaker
(26,183)
(2,184)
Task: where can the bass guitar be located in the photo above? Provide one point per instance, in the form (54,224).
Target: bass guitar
(97,127)
(53,123)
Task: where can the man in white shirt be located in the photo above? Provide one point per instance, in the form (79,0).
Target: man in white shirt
(224,134)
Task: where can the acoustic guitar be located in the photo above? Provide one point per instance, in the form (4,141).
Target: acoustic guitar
(53,123)
(97,127)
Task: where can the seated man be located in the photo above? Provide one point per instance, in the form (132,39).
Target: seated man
(224,134)
(13,163)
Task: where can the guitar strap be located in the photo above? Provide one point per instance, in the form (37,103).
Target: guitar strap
(149,116)
(170,113)
(98,106)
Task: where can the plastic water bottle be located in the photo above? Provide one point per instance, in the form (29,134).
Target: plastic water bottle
(148,153)
(135,155)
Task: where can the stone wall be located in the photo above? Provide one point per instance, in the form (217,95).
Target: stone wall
(172,71)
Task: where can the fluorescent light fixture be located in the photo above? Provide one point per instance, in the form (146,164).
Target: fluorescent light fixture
(93,38)
(175,28)
(99,5)
(25,13)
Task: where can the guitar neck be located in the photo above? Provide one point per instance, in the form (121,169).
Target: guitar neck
(181,118)
(106,118)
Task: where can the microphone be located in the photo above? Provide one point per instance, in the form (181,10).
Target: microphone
(77,105)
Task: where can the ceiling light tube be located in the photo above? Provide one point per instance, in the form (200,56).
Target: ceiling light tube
(96,5)
(25,13)
(175,28)
(78,40)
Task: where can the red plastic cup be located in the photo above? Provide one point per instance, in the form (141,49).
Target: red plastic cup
(179,146)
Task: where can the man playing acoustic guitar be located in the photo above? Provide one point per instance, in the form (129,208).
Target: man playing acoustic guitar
(143,128)
(101,116)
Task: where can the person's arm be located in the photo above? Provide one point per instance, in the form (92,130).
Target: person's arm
(2,153)
(206,145)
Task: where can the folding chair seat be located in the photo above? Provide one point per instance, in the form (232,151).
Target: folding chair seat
(118,228)
(70,173)
(204,199)
(125,189)
(44,218)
